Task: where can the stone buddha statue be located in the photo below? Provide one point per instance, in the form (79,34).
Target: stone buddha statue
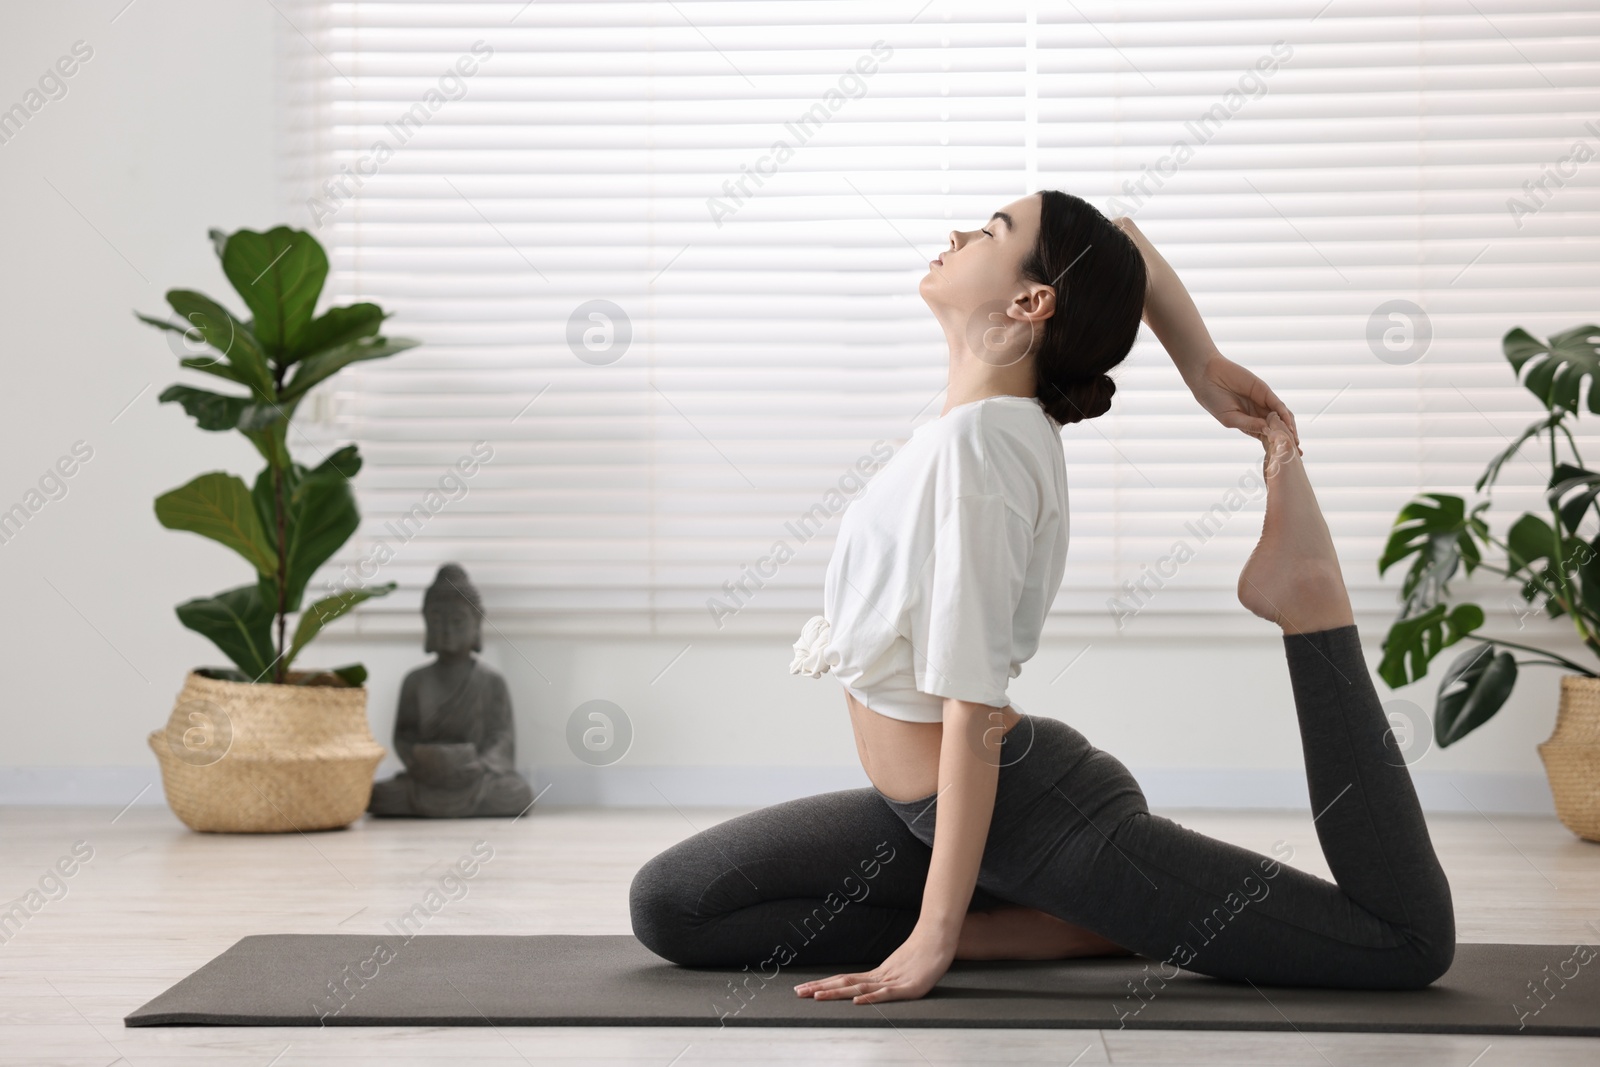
(453,730)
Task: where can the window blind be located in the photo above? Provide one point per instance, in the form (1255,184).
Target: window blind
(664,260)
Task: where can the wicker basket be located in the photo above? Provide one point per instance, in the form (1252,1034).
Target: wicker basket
(1572,756)
(263,758)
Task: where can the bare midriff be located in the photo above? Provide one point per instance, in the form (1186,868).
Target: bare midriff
(902,758)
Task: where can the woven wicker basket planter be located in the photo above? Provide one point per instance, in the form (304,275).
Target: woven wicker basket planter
(1572,756)
(243,758)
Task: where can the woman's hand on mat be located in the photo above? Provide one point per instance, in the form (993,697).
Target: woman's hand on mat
(1238,398)
(909,972)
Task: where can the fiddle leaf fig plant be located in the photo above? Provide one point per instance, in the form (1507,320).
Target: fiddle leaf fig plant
(1555,568)
(292,518)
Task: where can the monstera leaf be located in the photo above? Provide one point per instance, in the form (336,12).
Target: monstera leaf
(1529,544)
(1555,420)
(1589,578)
(1555,372)
(1553,564)
(1440,535)
(1413,642)
(1472,690)
(1572,493)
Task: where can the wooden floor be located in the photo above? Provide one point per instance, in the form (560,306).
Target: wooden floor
(156,901)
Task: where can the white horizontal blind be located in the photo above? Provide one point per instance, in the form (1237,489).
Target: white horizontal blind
(587,157)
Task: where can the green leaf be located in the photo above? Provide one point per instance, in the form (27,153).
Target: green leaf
(320,515)
(1555,371)
(273,441)
(217,411)
(218,506)
(324,611)
(324,365)
(337,327)
(212,365)
(1588,564)
(230,337)
(1579,486)
(279,274)
(1492,471)
(345,462)
(258,417)
(1471,691)
(1528,551)
(209,364)
(1413,642)
(212,411)
(1440,535)
(188,333)
(1528,541)
(353,673)
(238,623)
(262,496)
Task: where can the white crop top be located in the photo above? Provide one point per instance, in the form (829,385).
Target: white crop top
(945,565)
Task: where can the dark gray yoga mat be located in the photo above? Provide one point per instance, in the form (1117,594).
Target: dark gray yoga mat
(613,980)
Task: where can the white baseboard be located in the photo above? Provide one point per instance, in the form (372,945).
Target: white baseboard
(724,786)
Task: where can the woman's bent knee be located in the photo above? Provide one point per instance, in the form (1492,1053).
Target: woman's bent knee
(1433,957)
(1422,959)
(1433,939)
(659,913)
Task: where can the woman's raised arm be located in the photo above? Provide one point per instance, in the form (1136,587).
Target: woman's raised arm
(1169,310)
(1236,397)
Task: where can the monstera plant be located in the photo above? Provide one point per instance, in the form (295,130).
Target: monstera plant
(293,517)
(1554,566)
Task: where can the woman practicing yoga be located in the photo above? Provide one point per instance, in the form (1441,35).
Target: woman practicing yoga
(992,833)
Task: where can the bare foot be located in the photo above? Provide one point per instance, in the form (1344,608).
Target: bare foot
(1293,578)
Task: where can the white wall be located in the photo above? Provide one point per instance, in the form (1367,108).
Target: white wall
(168,130)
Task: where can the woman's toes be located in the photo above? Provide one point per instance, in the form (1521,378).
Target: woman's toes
(1279,445)
(1292,577)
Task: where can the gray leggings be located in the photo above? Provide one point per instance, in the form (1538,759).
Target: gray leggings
(838,878)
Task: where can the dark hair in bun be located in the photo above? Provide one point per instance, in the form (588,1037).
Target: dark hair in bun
(1087,399)
(1099,278)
